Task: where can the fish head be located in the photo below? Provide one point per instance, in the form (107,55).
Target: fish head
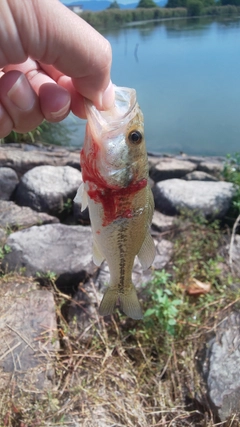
(115,140)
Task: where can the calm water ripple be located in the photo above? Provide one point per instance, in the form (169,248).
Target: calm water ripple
(187,76)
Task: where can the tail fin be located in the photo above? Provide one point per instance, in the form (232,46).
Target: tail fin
(130,304)
(108,302)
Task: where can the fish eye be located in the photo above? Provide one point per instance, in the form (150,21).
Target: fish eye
(135,137)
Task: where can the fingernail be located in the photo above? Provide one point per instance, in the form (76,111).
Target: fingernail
(60,113)
(21,94)
(108,97)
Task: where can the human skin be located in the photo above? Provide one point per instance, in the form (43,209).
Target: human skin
(50,59)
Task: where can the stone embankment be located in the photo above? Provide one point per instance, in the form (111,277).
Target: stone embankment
(42,234)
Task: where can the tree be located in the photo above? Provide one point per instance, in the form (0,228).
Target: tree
(194,7)
(114,5)
(147,3)
(176,3)
(232,2)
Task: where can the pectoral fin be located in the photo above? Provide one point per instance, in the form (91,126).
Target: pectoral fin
(98,257)
(147,252)
(81,197)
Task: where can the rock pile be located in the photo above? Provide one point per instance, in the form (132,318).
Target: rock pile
(37,186)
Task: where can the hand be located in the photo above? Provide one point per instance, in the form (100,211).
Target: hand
(50,59)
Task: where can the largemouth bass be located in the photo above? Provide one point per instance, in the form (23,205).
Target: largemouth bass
(115,186)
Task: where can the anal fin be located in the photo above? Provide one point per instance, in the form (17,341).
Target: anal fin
(98,257)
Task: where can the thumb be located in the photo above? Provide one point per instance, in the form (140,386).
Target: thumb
(50,33)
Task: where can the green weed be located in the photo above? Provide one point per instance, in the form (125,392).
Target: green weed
(68,206)
(164,304)
(196,249)
(231,173)
(47,278)
(4,251)
(177,306)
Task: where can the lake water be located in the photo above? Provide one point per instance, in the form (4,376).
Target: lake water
(187,76)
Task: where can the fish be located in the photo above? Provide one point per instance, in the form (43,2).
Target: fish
(115,187)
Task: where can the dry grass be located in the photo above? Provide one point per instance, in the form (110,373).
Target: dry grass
(120,373)
(115,378)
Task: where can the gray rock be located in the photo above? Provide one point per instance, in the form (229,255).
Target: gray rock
(199,176)
(212,199)
(29,339)
(3,236)
(8,183)
(23,158)
(47,188)
(162,222)
(168,168)
(221,367)
(214,167)
(154,160)
(14,216)
(61,249)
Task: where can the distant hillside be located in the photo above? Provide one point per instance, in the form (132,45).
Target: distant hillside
(98,5)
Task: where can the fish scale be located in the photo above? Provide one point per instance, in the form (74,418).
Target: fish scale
(115,186)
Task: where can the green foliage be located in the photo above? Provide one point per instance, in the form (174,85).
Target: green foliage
(176,3)
(46,279)
(231,2)
(196,257)
(194,7)
(67,206)
(164,309)
(51,133)
(24,137)
(231,173)
(111,18)
(196,249)
(5,250)
(146,3)
(114,5)
(217,10)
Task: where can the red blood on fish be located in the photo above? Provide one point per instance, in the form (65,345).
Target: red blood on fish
(115,200)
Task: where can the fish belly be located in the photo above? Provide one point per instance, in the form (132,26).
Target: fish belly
(119,242)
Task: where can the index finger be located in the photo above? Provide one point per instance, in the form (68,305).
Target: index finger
(66,42)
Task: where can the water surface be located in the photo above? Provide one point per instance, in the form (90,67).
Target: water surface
(187,76)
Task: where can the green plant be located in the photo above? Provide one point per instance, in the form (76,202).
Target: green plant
(4,250)
(231,173)
(194,7)
(51,133)
(196,249)
(164,304)
(46,278)
(68,205)
(25,137)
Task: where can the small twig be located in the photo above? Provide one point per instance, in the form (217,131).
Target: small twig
(232,242)
(21,336)
(10,350)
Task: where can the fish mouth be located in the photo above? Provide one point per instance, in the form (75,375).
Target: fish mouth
(118,116)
